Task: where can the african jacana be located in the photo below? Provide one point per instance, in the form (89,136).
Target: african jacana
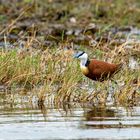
(95,69)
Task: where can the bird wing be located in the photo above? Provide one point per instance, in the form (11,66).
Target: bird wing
(101,68)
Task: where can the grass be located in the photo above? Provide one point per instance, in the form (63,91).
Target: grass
(49,71)
(102,12)
(56,74)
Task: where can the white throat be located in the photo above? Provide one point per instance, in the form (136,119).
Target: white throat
(83,62)
(83,58)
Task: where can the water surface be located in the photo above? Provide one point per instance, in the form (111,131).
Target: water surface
(68,121)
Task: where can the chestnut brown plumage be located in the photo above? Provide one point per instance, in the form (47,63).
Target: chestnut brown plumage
(95,69)
(100,70)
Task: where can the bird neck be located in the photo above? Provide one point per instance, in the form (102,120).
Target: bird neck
(84,66)
(84,62)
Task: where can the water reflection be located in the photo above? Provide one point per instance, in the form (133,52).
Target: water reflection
(99,114)
(30,120)
(102,118)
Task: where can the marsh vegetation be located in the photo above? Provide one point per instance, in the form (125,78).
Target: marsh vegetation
(38,40)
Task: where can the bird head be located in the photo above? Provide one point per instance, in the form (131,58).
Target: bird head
(81,55)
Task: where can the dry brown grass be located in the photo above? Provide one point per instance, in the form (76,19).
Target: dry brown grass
(54,75)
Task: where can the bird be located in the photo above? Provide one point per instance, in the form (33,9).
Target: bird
(96,70)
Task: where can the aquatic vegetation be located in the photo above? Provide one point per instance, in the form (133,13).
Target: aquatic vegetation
(57,75)
(38,39)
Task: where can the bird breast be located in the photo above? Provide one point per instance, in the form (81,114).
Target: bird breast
(84,70)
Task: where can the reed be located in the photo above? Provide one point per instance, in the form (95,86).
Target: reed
(51,74)
(56,75)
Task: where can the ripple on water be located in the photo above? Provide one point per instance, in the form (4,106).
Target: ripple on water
(50,122)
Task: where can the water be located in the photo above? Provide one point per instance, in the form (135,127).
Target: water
(28,121)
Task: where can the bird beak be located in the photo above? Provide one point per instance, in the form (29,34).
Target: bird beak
(75,55)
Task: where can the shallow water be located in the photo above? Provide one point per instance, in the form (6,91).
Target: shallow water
(67,121)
